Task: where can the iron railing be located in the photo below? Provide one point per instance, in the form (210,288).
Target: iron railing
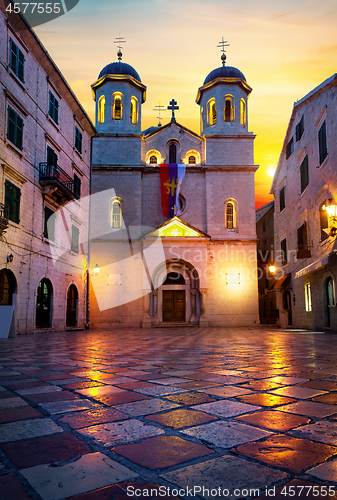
(54,173)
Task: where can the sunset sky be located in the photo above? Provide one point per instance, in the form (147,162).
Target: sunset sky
(284,49)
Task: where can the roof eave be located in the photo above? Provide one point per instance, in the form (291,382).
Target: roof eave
(222,79)
(130,78)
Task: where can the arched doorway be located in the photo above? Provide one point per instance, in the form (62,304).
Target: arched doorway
(72,299)
(44,304)
(7,287)
(329,300)
(287,306)
(174,300)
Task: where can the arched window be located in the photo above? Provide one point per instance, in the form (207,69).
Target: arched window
(191,160)
(243,112)
(7,287)
(153,159)
(202,121)
(192,157)
(117,106)
(116,213)
(172,153)
(134,111)
(43,304)
(211,114)
(101,110)
(229,109)
(231,215)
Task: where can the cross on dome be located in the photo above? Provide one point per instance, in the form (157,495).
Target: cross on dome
(159,109)
(173,107)
(119,40)
(223,44)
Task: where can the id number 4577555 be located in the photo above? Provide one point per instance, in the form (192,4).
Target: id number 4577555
(38,8)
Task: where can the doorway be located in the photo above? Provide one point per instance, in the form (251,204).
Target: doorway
(287,306)
(174,305)
(72,298)
(329,301)
(43,304)
(7,287)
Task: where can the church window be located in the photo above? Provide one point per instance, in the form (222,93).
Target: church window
(211,114)
(101,110)
(191,160)
(116,213)
(243,112)
(153,159)
(230,215)
(134,111)
(172,153)
(117,106)
(229,109)
(202,121)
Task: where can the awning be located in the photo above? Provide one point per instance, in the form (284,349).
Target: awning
(279,282)
(312,267)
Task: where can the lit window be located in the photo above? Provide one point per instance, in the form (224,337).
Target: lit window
(191,160)
(116,213)
(324,221)
(153,159)
(230,215)
(134,111)
(14,128)
(229,109)
(173,153)
(211,112)
(117,106)
(307,294)
(53,108)
(17,61)
(201,120)
(101,110)
(243,112)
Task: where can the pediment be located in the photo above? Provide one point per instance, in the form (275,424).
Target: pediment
(176,228)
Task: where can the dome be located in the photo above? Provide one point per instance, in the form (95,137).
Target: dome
(224,72)
(119,68)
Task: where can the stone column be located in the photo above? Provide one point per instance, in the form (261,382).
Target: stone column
(203,321)
(155,320)
(146,318)
(193,293)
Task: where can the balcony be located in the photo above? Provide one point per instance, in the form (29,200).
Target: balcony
(3,218)
(57,184)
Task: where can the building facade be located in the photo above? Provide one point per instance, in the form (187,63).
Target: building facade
(305,184)
(197,266)
(45,148)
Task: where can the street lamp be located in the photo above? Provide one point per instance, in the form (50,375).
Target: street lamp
(96,269)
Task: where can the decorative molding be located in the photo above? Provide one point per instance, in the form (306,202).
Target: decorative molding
(12,172)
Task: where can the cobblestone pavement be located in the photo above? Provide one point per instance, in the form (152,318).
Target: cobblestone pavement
(169,413)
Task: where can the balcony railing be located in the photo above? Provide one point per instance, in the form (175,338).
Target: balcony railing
(53,175)
(3,217)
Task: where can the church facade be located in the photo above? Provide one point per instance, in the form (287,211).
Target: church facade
(199,265)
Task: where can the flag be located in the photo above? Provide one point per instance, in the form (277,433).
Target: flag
(171,177)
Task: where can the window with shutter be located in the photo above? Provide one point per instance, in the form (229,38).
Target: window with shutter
(78,140)
(282,199)
(49,224)
(304,169)
(75,237)
(284,252)
(323,221)
(300,129)
(14,128)
(51,156)
(12,201)
(77,187)
(53,107)
(17,61)
(290,148)
(322,144)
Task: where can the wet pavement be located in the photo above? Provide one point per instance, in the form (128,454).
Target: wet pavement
(169,413)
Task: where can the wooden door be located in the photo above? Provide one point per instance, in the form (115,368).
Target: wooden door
(174,305)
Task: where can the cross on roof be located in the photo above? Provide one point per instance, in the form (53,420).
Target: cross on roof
(223,44)
(160,108)
(173,107)
(119,40)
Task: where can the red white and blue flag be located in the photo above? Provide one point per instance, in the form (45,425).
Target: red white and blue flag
(171,177)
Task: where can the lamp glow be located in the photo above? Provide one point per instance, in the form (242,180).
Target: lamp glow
(331,209)
(272,269)
(97,269)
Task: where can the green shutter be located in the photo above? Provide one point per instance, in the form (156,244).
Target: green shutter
(77,187)
(75,236)
(21,66)
(12,201)
(14,56)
